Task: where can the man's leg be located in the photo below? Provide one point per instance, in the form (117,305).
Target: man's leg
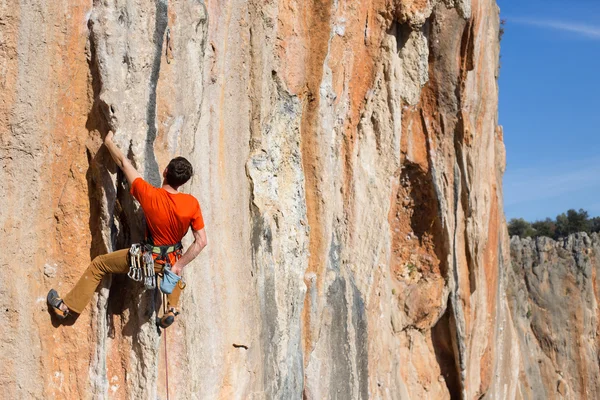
(173,298)
(111,263)
(172,302)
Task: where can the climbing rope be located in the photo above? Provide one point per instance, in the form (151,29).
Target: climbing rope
(166,358)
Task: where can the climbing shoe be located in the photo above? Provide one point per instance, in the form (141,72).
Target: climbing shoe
(55,302)
(167,319)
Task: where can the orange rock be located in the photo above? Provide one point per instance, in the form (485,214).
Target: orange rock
(349,166)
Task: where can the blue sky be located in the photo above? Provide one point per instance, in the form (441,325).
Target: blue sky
(550,107)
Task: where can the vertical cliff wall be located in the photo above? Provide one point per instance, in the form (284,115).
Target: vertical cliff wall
(348,162)
(553,295)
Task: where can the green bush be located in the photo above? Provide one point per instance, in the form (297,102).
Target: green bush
(520,227)
(565,224)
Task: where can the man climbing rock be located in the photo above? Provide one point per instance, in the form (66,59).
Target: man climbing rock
(169,215)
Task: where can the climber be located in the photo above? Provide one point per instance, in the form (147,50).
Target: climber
(169,214)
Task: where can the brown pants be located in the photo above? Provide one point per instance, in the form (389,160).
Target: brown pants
(111,263)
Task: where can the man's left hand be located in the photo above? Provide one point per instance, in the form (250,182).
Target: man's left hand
(176,269)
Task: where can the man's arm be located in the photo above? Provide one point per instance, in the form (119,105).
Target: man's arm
(122,162)
(192,252)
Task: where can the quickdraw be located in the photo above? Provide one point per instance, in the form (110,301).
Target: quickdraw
(150,276)
(135,267)
(141,266)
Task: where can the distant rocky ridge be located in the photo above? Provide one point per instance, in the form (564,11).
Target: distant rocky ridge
(553,293)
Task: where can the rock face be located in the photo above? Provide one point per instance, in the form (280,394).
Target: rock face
(553,294)
(348,162)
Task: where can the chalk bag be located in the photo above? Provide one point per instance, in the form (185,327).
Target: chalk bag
(169,280)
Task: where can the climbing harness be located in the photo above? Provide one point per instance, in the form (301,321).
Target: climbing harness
(142,257)
(160,255)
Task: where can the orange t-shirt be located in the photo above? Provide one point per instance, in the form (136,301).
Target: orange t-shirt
(168,215)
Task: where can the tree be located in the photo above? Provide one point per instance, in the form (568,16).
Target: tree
(579,221)
(562,225)
(546,228)
(520,227)
(595,224)
(572,222)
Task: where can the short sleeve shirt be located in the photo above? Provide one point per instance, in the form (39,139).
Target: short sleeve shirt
(168,215)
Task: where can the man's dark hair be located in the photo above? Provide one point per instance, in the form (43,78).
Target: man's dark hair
(179,171)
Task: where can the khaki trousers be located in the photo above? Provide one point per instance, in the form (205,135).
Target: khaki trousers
(111,263)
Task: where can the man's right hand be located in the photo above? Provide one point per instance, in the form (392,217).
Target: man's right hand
(122,162)
(108,137)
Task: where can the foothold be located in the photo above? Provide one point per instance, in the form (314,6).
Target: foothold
(561,387)
(310,277)
(50,270)
(238,346)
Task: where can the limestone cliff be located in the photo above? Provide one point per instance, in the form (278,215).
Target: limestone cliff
(349,167)
(553,294)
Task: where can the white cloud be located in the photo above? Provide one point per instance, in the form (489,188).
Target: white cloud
(589,31)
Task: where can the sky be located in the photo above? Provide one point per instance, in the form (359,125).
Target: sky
(550,106)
